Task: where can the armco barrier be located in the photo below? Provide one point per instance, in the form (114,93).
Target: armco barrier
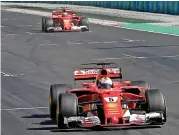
(164,7)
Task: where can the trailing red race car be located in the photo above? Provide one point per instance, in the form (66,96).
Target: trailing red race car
(121,103)
(64,19)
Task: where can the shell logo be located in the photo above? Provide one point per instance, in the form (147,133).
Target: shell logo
(112,105)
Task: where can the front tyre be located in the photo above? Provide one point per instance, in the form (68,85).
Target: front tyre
(67,106)
(156,102)
(48,23)
(84,21)
(43,24)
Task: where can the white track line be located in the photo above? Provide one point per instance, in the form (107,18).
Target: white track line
(29,33)
(105,42)
(5,74)
(93,42)
(10,74)
(131,40)
(15,109)
(127,55)
(12,34)
(48,44)
(134,57)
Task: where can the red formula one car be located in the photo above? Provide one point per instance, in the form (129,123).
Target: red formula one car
(64,19)
(125,103)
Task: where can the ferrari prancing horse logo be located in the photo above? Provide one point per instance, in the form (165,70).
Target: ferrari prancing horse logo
(111,99)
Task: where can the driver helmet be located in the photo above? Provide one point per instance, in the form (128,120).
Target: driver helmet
(104,81)
(64,14)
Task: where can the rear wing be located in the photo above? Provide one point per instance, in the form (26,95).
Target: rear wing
(90,73)
(59,10)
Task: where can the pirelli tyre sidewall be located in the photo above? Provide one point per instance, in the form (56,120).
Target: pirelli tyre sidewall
(156,102)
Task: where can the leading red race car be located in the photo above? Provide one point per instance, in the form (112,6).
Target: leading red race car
(125,103)
(64,19)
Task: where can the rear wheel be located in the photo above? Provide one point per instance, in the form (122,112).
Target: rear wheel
(67,106)
(55,89)
(143,84)
(156,102)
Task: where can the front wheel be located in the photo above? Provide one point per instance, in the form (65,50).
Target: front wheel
(156,102)
(67,106)
(48,22)
(43,23)
(84,22)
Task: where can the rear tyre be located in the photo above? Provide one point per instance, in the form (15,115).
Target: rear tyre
(55,89)
(143,84)
(84,22)
(156,102)
(67,106)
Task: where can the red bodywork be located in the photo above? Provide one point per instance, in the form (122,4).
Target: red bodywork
(121,91)
(68,21)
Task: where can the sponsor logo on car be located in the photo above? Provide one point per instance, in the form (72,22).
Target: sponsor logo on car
(112,105)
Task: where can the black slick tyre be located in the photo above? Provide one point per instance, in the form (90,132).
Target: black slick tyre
(55,89)
(67,106)
(43,23)
(156,102)
(48,22)
(84,21)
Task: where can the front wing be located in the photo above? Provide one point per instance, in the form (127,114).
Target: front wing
(74,28)
(134,120)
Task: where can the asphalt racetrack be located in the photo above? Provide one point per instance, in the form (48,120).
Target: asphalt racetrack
(32,61)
